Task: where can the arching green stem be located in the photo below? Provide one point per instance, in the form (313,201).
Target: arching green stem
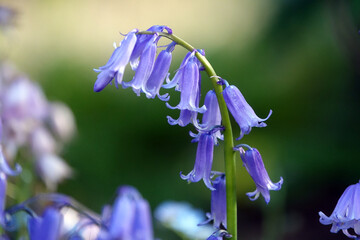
(229,153)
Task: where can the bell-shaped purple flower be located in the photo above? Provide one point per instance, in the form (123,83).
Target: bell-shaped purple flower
(47,226)
(211,117)
(115,67)
(203,161)
(186,117)
(189,85)
(141,43)
(145,67)
(159,73)
(218,203)
(130,217)
(242,112)
(346,213)
(255,166)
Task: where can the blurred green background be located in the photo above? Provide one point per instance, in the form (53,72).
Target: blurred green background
(299,58)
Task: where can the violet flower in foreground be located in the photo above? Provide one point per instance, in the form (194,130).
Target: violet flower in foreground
(203,161)
(47,226)
(255,166)
(242,112)
(346,213)
(130,217)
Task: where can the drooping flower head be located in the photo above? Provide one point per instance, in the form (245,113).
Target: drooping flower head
(203,161)
(242,112)
(346,214)
(115,67)
(255,166)
(129,218)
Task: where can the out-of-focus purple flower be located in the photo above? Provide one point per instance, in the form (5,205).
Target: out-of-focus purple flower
(346,213)
(255,166)
(183,218)
(218,203)
(47,226)
(42,142)
(242,112)
(115,67)
(203,161)
(3,187)
(130,217)
(159,73)
(52,169)
(61,121)
(189,81)
(23,100)
(7,17)
(144,68)
(5,168)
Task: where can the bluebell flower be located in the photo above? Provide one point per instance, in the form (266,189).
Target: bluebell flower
(115,67)
(141,43)
(203,161)
(211,117)
(346,213)
(130,217)
(188,85)
(242,112)
(145,67)
(178,75)
(159,73)
(255,166)
(186,117)
(218,203)
(47,226)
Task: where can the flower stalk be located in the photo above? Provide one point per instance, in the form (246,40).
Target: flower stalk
(229,154)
